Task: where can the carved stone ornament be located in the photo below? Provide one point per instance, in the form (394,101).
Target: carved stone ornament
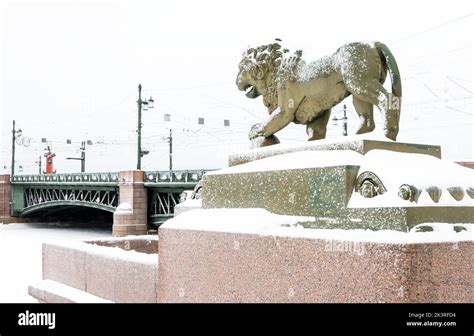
(369,185)
(408,193)
(197,192)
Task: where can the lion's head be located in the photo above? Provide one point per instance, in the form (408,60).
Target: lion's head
(257,69)
(261,70)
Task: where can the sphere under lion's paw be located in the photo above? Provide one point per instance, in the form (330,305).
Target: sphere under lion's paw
(261,141)
(255,131)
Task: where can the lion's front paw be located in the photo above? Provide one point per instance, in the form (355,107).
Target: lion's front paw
(256,131)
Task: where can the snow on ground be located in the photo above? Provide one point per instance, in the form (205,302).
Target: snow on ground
(417,169)
(354,138)
(298,160)
(73,294)
(20,253)
(265,223)
(113,252)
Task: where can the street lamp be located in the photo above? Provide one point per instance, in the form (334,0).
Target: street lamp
(344,122)
(15,135)
(83,155)
(145,105)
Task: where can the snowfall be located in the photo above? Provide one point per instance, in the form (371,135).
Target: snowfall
(20,254)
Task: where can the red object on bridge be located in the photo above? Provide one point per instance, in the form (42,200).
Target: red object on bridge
(49,161)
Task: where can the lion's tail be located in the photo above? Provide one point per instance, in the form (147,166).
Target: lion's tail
(392,68)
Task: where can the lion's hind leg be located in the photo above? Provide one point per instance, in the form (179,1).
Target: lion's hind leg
(374,93)
(316,129)
(365,111)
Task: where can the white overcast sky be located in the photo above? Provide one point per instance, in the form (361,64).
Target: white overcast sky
(70,70)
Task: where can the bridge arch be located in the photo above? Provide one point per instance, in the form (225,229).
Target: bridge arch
(36,198)
(69,203)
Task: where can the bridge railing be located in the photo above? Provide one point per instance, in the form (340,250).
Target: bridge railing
(99,178)
(158,176)
(177,176)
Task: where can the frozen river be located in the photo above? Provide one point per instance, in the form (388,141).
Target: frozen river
(20,253)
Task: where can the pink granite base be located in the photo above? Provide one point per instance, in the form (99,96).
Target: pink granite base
(119,270)
(207,266)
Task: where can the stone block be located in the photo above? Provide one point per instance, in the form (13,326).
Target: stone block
(48,291)
(344,189)
(100,275)
(467,164)
(37,292)
(300,192)
(53,297)
(270,266)
(359,143)
(134,282)
(5,199)
(121,230)
(441,275)
(64,264)
(134,195)
(112,274)
(131,176)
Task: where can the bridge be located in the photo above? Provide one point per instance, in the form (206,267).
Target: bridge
(152,195)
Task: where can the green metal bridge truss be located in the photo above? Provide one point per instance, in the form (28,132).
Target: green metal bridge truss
(164,190)
(42,197)
(31,193)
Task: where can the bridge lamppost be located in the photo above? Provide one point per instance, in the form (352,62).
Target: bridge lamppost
(83,156)
(145,104)
(15,134)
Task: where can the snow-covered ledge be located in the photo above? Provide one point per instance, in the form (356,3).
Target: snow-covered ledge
(251,255)
(102,270)
(189,204)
